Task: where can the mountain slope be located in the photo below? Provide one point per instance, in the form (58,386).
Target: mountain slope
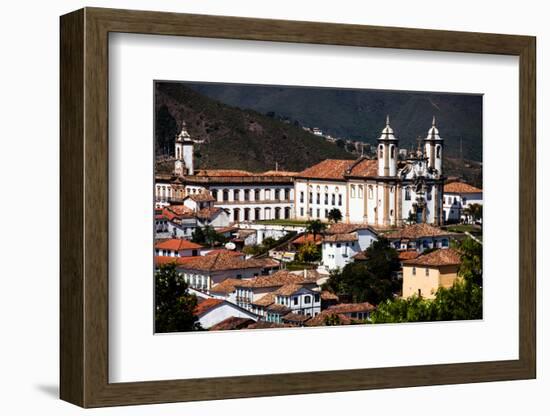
(234,138)
(360,114)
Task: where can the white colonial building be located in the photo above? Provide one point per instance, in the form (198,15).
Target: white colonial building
(342,242)
(382,192)
(457,196)
(388,191)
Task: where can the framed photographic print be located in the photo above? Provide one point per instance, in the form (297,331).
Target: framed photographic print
(257,207)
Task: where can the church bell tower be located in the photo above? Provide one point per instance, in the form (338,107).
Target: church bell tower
(387,151)
(433,147)
(183,164)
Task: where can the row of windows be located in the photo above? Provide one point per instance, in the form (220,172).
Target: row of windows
(426,271)
(246,194)
(254,214)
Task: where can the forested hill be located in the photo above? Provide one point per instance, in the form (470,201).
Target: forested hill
(234,138)
(360,114)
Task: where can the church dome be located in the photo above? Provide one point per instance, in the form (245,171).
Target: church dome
(433,133)
(387,132)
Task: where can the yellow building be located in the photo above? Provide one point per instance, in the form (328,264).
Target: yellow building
(427,273)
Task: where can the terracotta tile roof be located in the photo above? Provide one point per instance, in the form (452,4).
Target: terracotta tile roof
(343,228)
(223,172)
(280,278)
(207,305)
(440,257)
(204,196)
(460,188)
(160,260)
(279,309)
(265,301)
(288,290)
(307,238)
(352,307)
(319,320)
(279,173)
(340,169)
(177,211)
(295,317)
(327,169)
(362,255)
(232,322)
(225,251)
(224,230)
(226,286)
(338,238)
(326,295)
(177,244)
(267,325)
(408,254)
(224,261)
(208,213)
(416,231)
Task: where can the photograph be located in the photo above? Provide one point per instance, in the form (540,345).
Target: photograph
(280,206)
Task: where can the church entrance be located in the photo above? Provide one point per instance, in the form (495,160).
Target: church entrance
(419,216)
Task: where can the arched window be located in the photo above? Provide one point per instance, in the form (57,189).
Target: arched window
(380,152)
(360,191)
(370,191)
(392,151)
(407,194)
(438,152)
(353,191)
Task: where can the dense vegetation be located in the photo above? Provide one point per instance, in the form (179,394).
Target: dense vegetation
(234,138)
(360,114)
(174,306)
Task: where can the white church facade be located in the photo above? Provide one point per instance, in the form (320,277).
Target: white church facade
(384,192)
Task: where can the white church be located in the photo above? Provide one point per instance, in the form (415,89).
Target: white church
(381,192)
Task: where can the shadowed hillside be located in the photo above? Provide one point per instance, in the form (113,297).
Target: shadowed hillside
(234,138)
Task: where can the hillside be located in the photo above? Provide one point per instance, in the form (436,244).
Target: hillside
(234,138)
(360,114)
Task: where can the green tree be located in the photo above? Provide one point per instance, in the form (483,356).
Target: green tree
(373,280)
(198,236)
(315,227)
(464,300)
(332,320)
(335,215)
(174,305)
(309,252)
(475,211)
(471,260)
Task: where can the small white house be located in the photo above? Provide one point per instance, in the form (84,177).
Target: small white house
(457,196)
(177,247)
(342,242)
(213,311)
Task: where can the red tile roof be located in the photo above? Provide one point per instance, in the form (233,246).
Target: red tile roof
(440,257)
(226,286)
(279,173)
(352,307)
(208,213)
(177,244)
(160,260)
(295,317)
(408,254)
(207,305)
(280,278)
(232,322)
(307,238)
(204,196)
(416,231)
(288,290)
(343,228)
(338,238)
(225,251)
(460,188)
(265,301)
(319,320)
(339,169)
(177,211)
(326,295)
(224,261)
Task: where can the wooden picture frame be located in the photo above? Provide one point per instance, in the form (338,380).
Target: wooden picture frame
(84,207)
